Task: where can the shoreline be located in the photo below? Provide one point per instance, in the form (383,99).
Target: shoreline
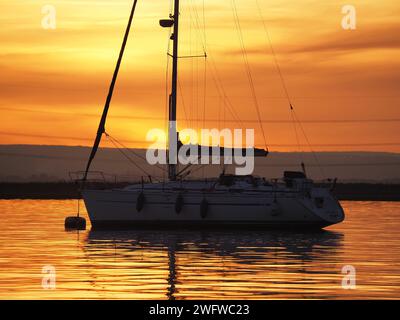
(70,191)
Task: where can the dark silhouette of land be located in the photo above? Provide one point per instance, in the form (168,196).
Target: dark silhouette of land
(42,172)
(32,163)
(61,190)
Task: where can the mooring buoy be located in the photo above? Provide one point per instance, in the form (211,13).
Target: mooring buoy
(75,223)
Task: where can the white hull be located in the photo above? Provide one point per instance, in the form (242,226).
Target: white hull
(249,206)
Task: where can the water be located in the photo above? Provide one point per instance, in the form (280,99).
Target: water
(195,264)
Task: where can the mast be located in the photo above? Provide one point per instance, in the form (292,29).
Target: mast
(173,136)
(172,130)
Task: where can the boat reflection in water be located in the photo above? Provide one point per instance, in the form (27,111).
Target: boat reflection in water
(216,264)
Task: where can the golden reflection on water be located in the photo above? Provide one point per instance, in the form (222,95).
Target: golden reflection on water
(197,264)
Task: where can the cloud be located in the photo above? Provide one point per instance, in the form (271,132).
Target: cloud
(380,37)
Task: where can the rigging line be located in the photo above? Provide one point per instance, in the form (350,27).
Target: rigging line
(204,24)
(300,155)
(196,42)
(224,112)
(123,146)
(191,68)
(192,115)
(196,22)
(191,57)
(224,98)
(286,91)
(248,69)
(128,158)
(197,28)
(222,92)
(183,103)
(195,64)
(219,113)
(308,143)
(284,86)
(205,66)
(273,54)
(204,92)
(197,86)
(203,41)
(131,151)
(198,168)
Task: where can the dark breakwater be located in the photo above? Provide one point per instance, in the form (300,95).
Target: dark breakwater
(65,190)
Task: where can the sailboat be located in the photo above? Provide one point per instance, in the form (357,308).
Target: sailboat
(223,202)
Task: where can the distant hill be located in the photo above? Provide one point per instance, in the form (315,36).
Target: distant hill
(32,163)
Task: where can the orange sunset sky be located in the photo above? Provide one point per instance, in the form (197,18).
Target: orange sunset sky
(344,84)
